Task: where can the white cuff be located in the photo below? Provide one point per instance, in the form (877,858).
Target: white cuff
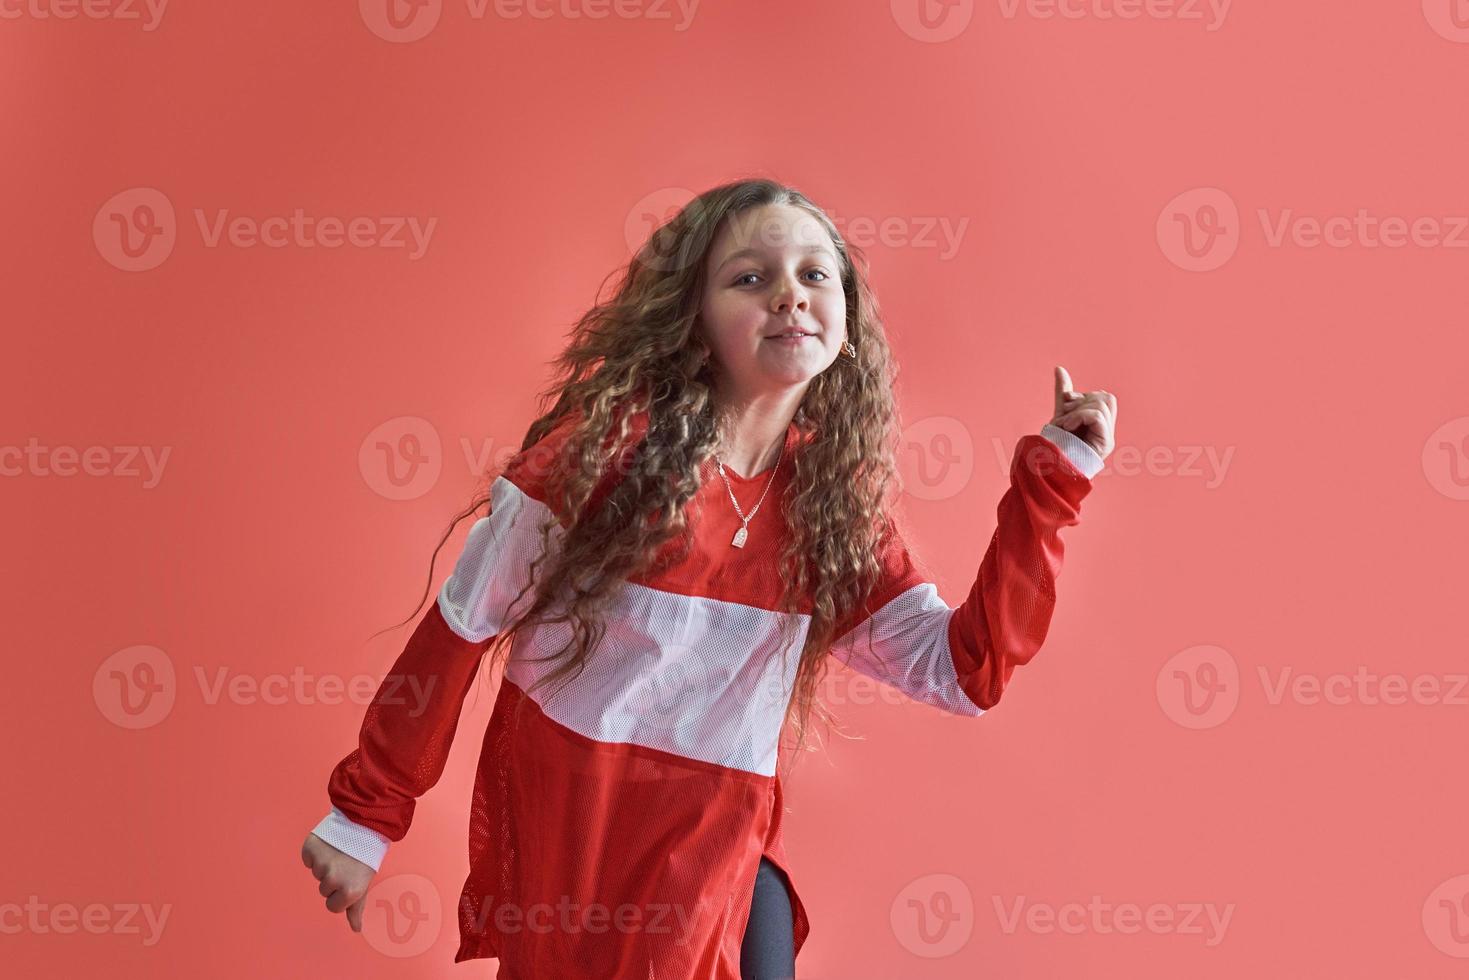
(1075,449)
(353,839)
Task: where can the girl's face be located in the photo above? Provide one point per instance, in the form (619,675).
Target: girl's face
(771,269)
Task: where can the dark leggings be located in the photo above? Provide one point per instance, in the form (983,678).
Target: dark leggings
(767,952)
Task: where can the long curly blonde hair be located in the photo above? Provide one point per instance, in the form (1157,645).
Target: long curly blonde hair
(640,351)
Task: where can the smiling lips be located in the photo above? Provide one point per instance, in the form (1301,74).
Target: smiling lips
(791,335)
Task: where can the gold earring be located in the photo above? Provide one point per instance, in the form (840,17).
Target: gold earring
(849,350)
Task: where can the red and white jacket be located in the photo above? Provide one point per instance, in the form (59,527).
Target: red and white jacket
(615,832)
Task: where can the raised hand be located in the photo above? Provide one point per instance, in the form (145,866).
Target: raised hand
(1089,415)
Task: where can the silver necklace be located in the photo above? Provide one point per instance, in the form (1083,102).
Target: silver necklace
(744,531)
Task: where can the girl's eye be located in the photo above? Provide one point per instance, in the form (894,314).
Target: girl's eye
(821,272)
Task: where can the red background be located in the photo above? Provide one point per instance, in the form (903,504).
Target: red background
(1328,381)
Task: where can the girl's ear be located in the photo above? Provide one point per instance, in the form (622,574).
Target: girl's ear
(700,345)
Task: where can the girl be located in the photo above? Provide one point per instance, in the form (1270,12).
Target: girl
(663,569)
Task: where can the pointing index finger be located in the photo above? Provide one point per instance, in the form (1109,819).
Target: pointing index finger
(1063,387)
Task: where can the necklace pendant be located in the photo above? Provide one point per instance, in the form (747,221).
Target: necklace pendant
(740,536)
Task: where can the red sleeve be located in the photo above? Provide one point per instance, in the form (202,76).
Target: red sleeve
(960,658)
(408,728)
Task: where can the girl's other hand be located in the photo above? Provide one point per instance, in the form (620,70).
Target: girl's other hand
(344,879)
(1090,415)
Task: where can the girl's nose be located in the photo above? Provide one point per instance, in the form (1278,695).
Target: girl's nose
(789,295)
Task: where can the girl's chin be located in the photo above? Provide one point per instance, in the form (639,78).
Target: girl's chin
(782,369)
(789,376)
(808,352)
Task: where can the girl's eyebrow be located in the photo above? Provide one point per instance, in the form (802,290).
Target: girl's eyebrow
(745,252)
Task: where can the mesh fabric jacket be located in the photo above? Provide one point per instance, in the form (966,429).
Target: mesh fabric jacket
(617,823)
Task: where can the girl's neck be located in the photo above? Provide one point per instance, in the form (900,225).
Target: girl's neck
(752,432)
